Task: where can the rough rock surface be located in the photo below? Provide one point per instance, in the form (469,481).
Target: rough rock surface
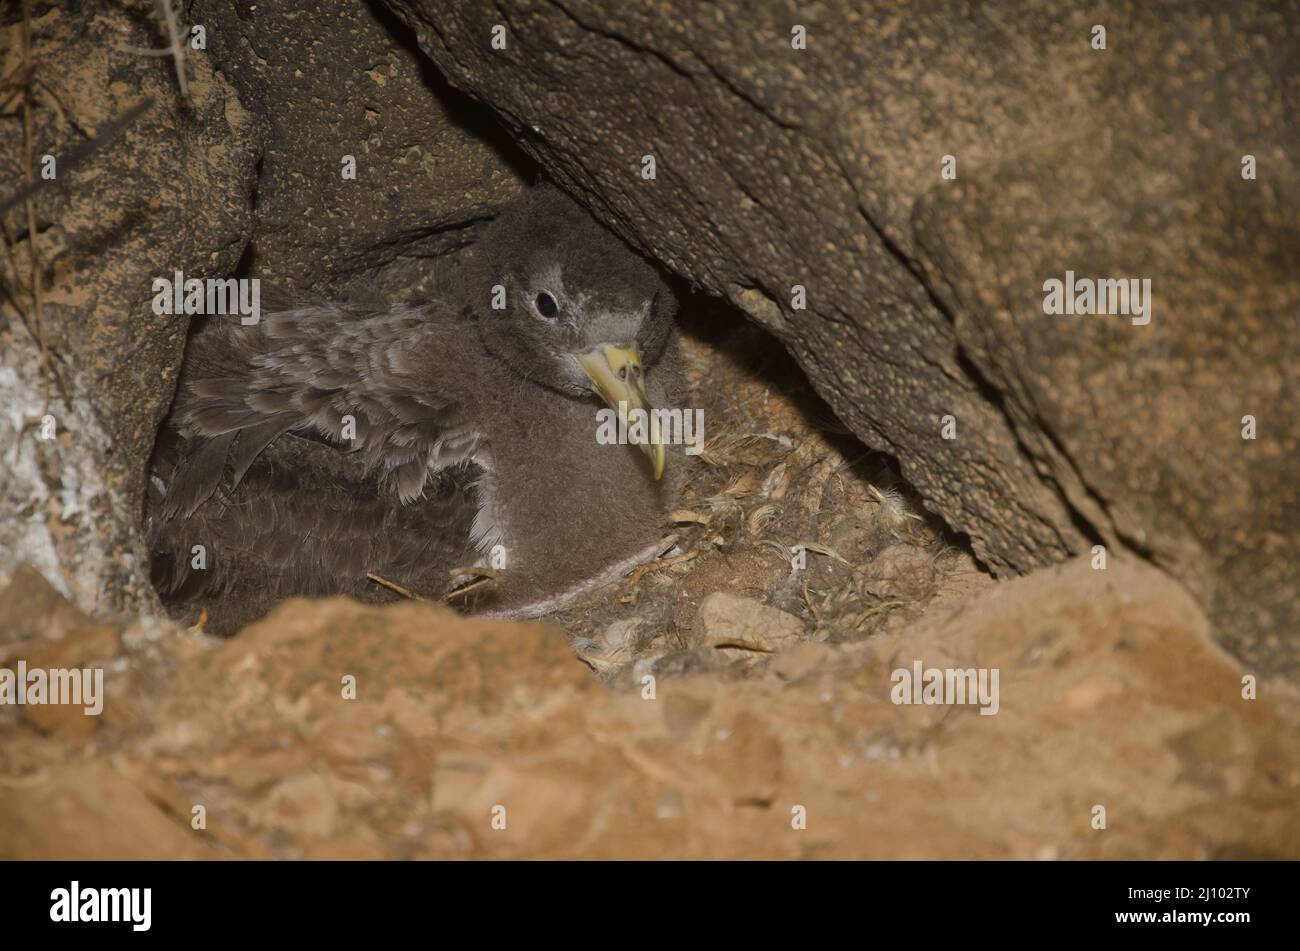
(172,193)
(328,80)
(822,167)
(1111,694)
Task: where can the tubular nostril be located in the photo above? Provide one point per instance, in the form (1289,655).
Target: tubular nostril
(622,374)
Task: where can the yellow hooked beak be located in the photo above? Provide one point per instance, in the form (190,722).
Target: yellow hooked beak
(617,376)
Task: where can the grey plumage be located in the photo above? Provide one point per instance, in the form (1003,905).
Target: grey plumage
(474,428)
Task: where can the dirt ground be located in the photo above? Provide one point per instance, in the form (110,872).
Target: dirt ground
(719,702)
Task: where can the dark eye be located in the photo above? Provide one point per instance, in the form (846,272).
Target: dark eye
(546,305)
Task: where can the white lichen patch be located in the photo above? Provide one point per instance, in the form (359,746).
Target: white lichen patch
(50,486)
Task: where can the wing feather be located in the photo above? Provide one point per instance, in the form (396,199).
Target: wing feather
(312,370)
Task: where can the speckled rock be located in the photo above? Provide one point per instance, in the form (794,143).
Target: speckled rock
(328,80)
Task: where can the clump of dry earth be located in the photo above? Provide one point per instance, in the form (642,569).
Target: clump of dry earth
(1112,694)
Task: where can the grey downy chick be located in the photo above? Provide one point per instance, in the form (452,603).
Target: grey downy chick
(330,442)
